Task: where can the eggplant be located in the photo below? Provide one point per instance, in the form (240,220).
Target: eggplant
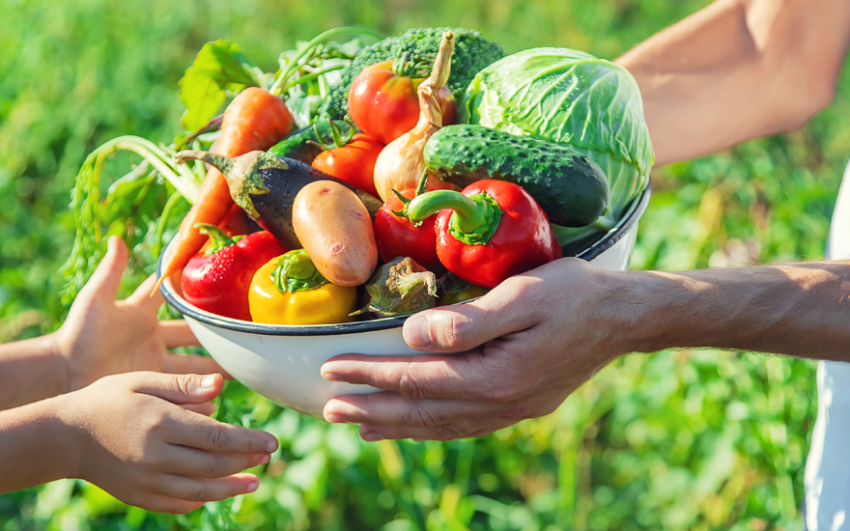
(265,186)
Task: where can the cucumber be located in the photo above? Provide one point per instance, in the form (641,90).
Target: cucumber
(296,145)
(572,189)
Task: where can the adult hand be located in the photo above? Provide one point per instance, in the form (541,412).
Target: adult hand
(144,438)
(522,349)
(103,336)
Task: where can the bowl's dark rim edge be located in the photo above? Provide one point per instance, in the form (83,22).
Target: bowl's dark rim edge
(597,248)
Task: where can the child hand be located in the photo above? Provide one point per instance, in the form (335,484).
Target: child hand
(136,436)
(103,336)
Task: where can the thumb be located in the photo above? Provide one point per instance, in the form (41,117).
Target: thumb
(106,279)
(180,389)
(463,327)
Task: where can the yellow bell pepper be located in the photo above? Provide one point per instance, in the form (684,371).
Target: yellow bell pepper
(289,290)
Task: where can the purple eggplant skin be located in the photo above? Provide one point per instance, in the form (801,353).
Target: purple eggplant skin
(275,206)
(266,185)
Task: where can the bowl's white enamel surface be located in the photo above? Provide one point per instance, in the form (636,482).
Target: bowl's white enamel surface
(285,368)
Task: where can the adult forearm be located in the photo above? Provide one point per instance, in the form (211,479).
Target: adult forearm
(33,448)
(737,70)
(801,310)
(30,370)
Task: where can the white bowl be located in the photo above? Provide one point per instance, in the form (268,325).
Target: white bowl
(282,362)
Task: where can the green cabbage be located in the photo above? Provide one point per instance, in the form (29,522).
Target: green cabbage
(572,97)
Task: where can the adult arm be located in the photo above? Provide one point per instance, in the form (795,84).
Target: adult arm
(530,342)
(738,70)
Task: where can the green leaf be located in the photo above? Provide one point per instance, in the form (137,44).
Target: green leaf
(219,65)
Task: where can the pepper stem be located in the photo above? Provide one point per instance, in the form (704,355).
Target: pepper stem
(242,173)
(218,239)
(295,272)
(475,218)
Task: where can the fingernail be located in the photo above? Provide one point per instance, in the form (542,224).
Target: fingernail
(332,377)
(372,437)
(416,332)
(253,486)
(265,459)
(334,418)
(208,381)
(271,446)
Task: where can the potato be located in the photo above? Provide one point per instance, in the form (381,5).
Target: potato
(335,229)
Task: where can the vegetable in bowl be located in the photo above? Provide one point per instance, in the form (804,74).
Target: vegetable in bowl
(571,97)
(472,53)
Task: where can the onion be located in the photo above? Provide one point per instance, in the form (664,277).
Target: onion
(401,164)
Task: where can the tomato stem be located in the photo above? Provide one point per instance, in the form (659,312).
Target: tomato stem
(336,135)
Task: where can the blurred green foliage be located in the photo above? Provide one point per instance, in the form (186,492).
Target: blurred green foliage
(675,440)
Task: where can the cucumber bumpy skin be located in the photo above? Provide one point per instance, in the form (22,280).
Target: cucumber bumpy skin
(572,189)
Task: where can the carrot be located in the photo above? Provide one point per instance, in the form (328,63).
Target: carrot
(254,120)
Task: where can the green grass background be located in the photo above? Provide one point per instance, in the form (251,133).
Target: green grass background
(675,440)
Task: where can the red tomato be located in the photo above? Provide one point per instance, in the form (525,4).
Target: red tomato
(397,236)
(385,104)
(354,162)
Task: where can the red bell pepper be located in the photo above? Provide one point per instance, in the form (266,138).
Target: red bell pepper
(217,278)
(489,231)
(398,237)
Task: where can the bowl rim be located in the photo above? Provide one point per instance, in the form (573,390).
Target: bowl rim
(602,244)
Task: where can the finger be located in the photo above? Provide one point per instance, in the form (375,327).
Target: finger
(206,409)
(394,409)
(167,504)
(106,279)
(467,326)
(203,433)
(470,375)
(194,463)
(178,334)
(207,490)
(145,296)
(179,389)
(444,432)
(189,364)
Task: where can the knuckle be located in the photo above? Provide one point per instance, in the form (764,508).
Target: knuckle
(408,387)
(214,469)
(420,417)
(449,329)
(198,493)
(217,438)
(185,384)
(255,445)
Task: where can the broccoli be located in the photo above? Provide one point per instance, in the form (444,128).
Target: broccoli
(472,53)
